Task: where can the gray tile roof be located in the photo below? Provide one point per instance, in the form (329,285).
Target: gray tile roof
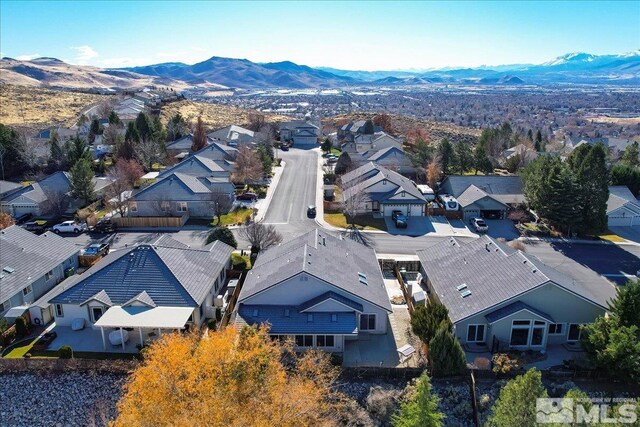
(169,275)
(209,165)
(7,187)
(381,154)
(472,194)
(513,308)
(360,179)
(30,256)
(494,273)
(620,195)
(505,189)
(328,258)
(56,182)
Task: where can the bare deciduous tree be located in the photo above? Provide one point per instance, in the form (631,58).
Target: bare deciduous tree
(199,135)
(56,204)
(248,166)
(162,206)
(260,236)
(220,203)
(354,201)
(123,174)
(112,135)
(256,121)
(149,152)
(29,150)
(105,108)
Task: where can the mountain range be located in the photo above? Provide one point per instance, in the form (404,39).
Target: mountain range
(220,73)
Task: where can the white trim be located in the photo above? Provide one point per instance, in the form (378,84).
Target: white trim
(335,300)
(562,326)
(579,331)
(516,312)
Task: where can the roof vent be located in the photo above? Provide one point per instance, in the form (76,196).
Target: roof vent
(363,278)
(9,269)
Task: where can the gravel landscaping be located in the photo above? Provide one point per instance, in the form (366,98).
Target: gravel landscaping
(59,399)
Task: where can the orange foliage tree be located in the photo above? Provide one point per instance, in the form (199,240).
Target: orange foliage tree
(417,134)
(5,220)
(433,173)
(229,378)
(384,121)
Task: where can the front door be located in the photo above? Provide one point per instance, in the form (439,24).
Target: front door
(528,334)
(96,313)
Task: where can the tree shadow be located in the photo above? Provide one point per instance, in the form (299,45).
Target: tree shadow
(355,234)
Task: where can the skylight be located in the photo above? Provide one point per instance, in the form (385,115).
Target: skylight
(363,278)
(9,269)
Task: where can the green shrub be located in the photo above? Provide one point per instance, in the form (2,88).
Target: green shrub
(218,314)
(65,352)
(239,263)
(211,324)
(224,235)
(21,327)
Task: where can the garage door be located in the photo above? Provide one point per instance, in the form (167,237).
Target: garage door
(388,209)
(19,210)
(620,221)
(471,213)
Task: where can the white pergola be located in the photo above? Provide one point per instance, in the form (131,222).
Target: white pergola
(143,317)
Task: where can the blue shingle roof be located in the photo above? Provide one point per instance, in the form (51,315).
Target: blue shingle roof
(330,295)
(138,270)
(513,308)
(296,322)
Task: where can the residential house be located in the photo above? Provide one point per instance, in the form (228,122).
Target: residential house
(623,209)
(484,196)
(200,166)
(216,151)
(392,158)
(349,131)
(30,266)
(33,197)
(8,187)
(178,194)
(233,136)
(148,287)
(182,147)
(502,299)
(301,133)
(381,191)
(526,154)
(322,291)
(369,143)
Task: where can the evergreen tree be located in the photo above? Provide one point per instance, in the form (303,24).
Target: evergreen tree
(224,235)
(623,174)
(368,128)
(343,164)
(267,161)
(326,145)
(538,141)
(428,318)
(421,154)
(446,354)
(626,304)
(631,154)
(132,133)
(57,157)
(463,157)
(96,128)
(78,150)
(563,201)
(144,126)
(82,185)
(588,163)
(445,153)
(516,404)
(114,119)
(481,161)
(177,128)
(422,409)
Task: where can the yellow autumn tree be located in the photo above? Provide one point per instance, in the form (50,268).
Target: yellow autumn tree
(229,378)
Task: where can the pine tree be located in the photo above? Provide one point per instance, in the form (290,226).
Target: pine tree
(563,201)
(82,185)
(631,154)
(78,150)
(114,119)
(57,157)
(516,405)
(132,133)
(428,318)
(481,161)
(422,409)
(463,157)
(446,354)
(589,167)
(445,153)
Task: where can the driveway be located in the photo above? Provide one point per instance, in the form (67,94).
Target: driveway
(502,228)
(416,226)
(629,233)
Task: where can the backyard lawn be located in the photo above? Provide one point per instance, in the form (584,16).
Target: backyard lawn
(365,222)
(239,215)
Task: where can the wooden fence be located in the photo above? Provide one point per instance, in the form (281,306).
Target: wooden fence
(405,291)
(151,221)
(231,306)
(443,212)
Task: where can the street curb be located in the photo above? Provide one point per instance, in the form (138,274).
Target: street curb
(576,241)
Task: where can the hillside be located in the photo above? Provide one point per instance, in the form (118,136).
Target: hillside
(213,115)
(402,125)
(37,107)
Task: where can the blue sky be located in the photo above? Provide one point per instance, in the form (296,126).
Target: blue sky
(367,35)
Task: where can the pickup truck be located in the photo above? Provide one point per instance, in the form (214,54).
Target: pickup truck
(69,227)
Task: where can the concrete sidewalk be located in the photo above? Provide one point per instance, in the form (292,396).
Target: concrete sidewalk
(263,205)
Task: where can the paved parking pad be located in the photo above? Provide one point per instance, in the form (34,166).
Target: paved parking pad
(416,226)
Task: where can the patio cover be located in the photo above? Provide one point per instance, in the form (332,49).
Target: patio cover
(14,312)
(145,317)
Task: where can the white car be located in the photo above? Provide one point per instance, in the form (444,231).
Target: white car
(69,227)
(479,225)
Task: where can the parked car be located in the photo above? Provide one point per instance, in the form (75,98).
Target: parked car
(37,226)
(105,226)
(284,147)
(251,197)
(401,221)
(479,225)
(97,249)
(69,227)
(23,218)
(331,158)
(394,214)
(311,211)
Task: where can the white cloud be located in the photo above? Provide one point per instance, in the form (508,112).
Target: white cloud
(28,57)
(84,54)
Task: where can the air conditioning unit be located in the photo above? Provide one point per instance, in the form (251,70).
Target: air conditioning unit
(218,301)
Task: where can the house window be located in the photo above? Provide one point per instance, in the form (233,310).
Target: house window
(304,340)
(48,275)
(182,206)
(367,322)
(574,332)
(520,333)
(309,317)
(59,310)
(403,193)
(26,291)
(475,333)
(96,313)
(166,206)
(384,182)
(375,205)
(133,206)
(555,328)
(325,341)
